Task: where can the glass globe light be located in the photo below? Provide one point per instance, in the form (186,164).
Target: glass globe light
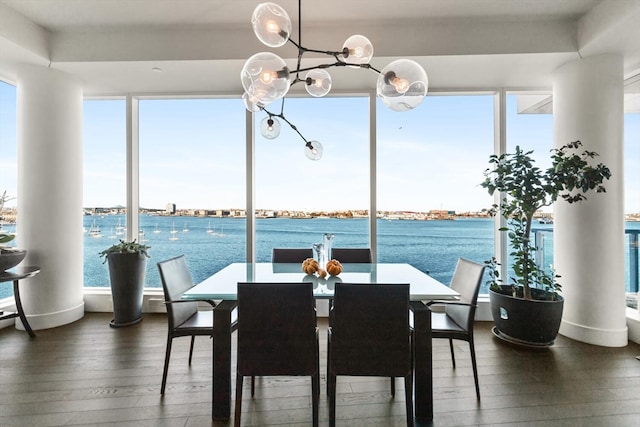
(265,77)
(313,150)
(271,24)
(258,98)
(402,85)
(251,103)
(270,127)
(318,82)
(358,49)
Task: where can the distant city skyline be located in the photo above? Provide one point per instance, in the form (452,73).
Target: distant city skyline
(237,211)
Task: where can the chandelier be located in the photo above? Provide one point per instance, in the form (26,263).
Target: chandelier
(401,85)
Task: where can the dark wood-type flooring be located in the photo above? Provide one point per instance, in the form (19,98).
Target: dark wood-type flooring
(87,373)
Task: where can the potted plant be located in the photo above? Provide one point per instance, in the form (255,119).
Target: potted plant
(127,266)
(9,257)
(528,309)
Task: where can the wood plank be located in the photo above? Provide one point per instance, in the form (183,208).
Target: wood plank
(87,373)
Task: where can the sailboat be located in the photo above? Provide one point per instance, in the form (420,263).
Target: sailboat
(94,231)
(185,229)
(156,230)
(119,228)
(210,230)
(173,232)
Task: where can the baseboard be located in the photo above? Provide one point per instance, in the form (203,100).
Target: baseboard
(633,324)
(595,336)
(53,319)
(99,300)
(483,312)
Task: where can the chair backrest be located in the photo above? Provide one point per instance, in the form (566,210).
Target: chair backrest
(466,281)
(351,255)
(276,329)
(281,255)
(370,332)
(176,279)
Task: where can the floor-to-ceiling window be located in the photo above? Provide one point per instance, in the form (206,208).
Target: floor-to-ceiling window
(298,200)
(430,164)
(192,183)
(632,188)
(192,178)
(8,168)
(529,125)
(104,186)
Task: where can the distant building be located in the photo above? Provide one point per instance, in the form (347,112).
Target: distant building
(441,214)
(170,209)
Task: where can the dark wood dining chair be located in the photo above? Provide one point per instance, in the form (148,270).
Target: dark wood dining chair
(457,319)
(184,318)
(351,255)
(370,336)
(290,255)
(279,339)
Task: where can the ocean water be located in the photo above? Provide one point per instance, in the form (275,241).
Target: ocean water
(210,244)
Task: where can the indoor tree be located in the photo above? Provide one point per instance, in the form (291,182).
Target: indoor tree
(524,189)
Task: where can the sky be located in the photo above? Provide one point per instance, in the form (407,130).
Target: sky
(192,153)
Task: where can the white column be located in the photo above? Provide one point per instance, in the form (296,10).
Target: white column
(589,235)
(49,109)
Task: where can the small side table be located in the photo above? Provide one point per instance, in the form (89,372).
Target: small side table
(15,277)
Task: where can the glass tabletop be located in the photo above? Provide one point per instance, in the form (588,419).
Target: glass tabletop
(223,284)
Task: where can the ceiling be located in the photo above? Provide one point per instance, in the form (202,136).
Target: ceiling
(199,46)
(63,15)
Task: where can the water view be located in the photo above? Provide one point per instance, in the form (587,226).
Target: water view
(210,244)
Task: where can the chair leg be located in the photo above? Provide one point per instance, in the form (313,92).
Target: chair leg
(332,401)
(238,411)
(475,367)
(315,397)
(328,358)
(408,395)
(193,340)
(167,355)
(393,386)
(253,386)
(453,357)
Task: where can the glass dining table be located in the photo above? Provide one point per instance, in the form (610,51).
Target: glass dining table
(222,287)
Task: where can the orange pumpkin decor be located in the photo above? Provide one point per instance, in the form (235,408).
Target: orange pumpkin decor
(322,273)
(310,266)
(334,267)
